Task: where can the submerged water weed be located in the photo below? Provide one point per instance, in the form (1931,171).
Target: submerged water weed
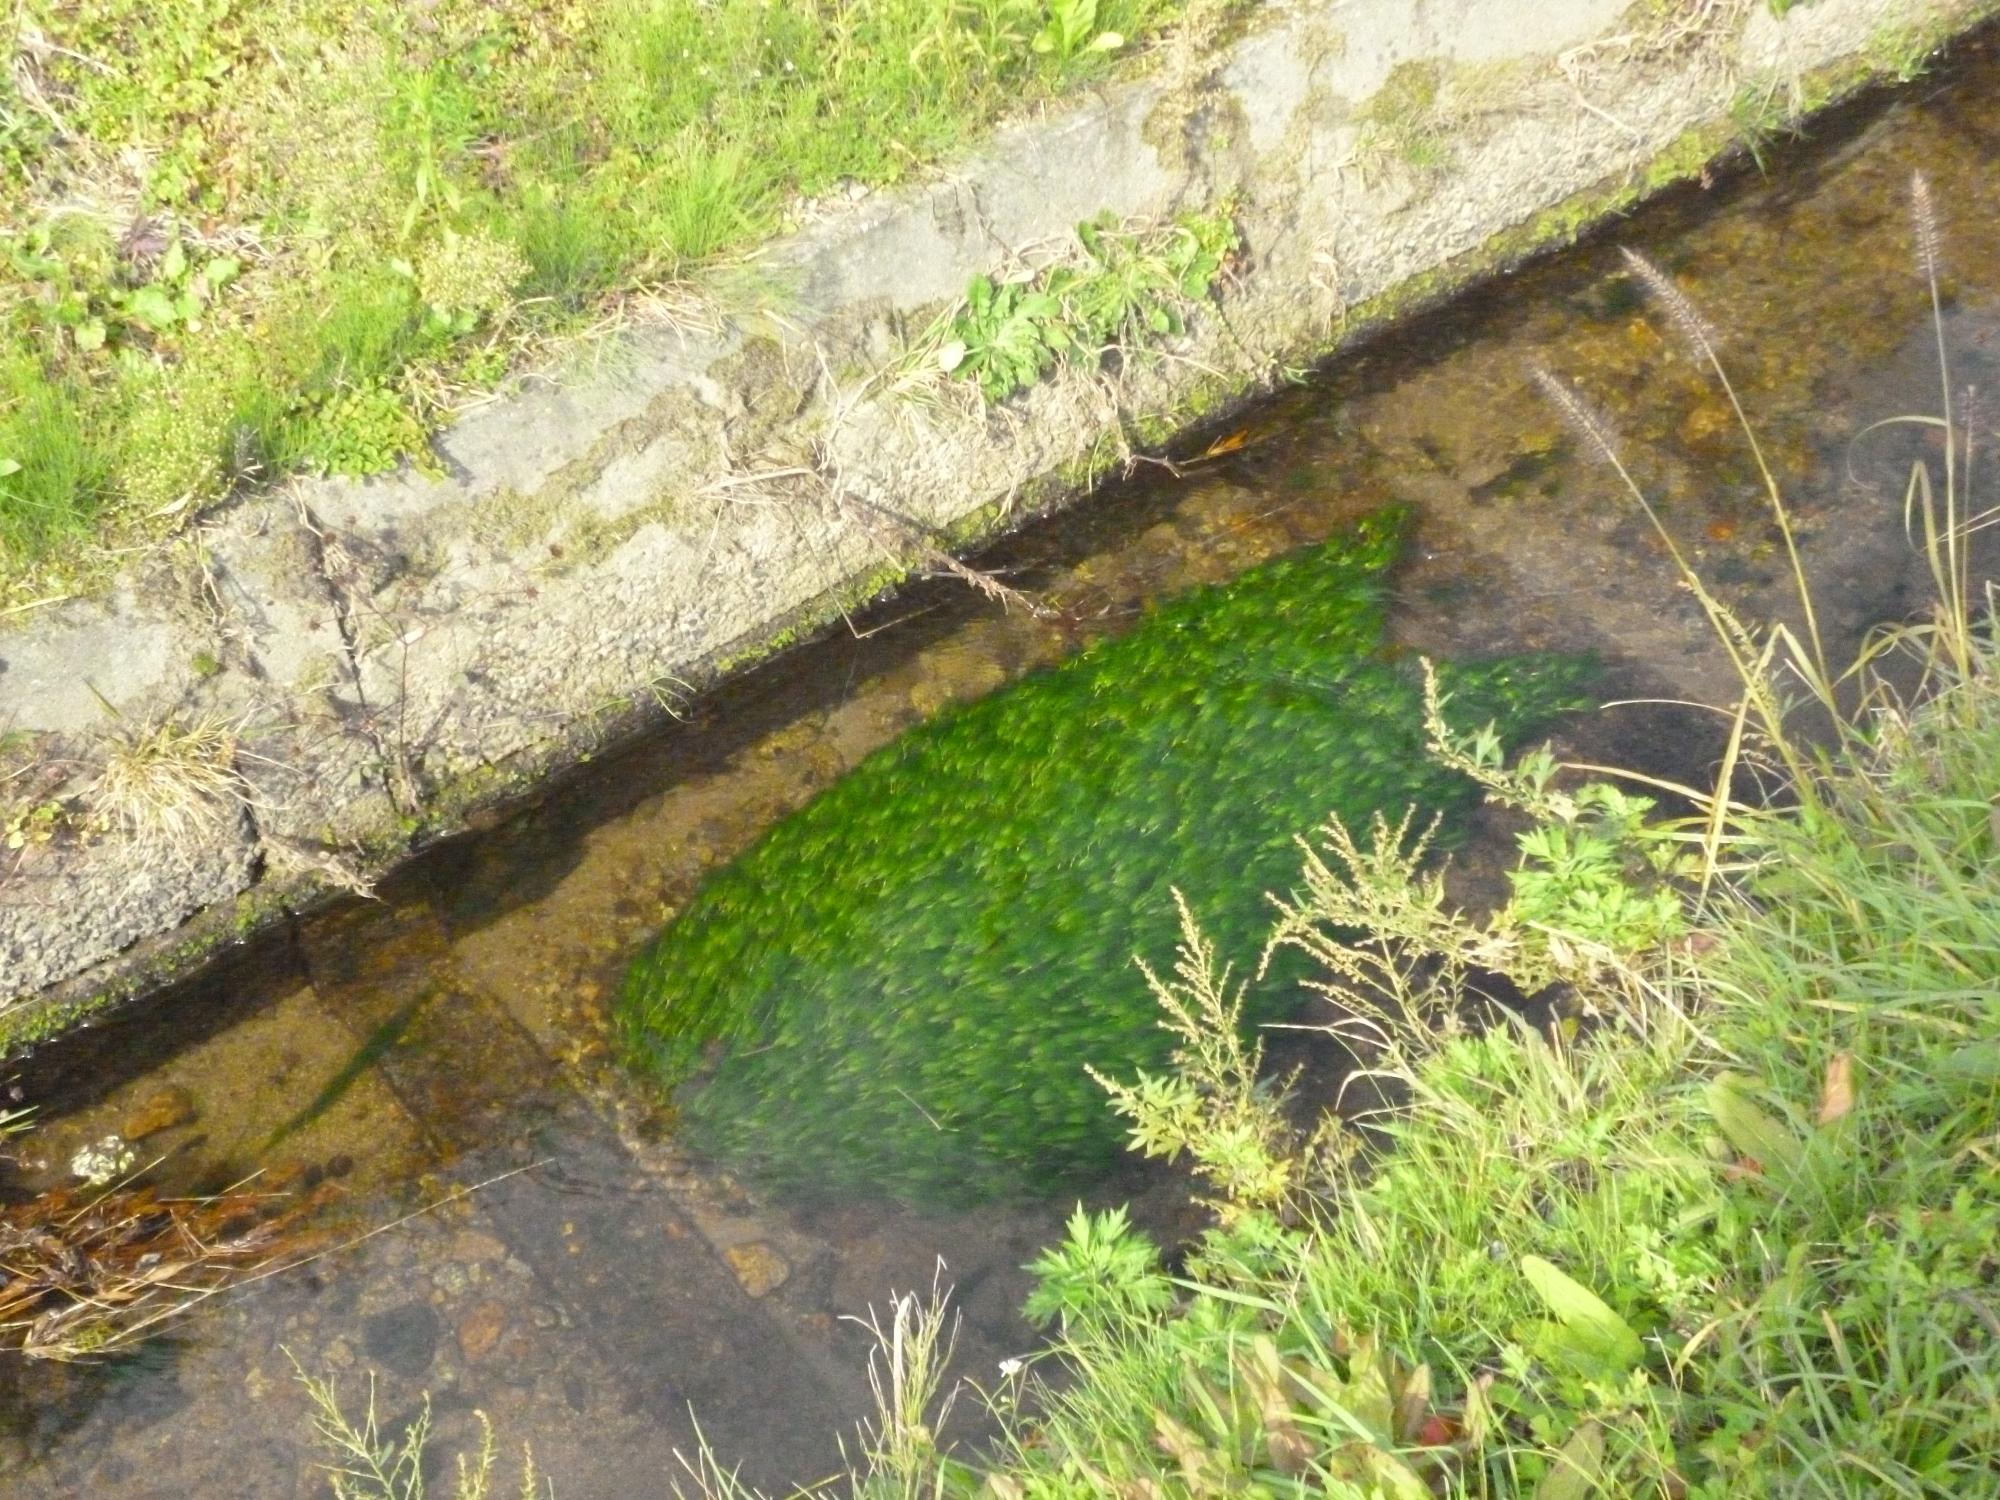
(912,973)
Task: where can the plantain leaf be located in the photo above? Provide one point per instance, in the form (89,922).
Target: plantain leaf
(1578,1468)
(1752,1130)
(1598,1339)
(1976,1062)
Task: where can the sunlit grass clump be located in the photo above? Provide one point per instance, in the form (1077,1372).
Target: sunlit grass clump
(909,976)
(271,235)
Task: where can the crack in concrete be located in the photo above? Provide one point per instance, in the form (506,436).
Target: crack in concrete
(335,569)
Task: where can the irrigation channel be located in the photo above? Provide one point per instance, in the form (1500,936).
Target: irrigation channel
(456,1028)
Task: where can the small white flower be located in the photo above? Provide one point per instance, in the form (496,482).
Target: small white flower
(1011,1367)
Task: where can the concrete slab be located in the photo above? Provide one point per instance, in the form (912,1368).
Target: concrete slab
(84,665)
(68,906)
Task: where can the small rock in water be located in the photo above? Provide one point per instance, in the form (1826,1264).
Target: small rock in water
(402,1339)
(472,1245)
(758,1267)
(161,1109)
(480,1329)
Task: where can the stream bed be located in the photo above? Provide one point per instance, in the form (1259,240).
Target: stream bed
(599,1286)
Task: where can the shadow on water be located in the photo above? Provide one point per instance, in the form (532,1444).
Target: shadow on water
(454,1029)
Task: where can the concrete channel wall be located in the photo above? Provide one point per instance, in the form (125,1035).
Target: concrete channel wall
(321,678)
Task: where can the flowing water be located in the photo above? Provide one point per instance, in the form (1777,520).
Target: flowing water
(453,1030)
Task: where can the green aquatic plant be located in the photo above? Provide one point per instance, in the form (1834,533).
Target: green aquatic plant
(910,975)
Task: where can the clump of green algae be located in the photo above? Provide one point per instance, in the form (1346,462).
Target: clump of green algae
(908,975)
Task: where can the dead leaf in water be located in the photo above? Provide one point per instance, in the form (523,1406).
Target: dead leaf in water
(1222,447)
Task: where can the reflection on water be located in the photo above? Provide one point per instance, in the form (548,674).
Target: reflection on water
(452,1032)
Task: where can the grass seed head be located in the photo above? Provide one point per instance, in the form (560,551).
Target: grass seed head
(1680,309)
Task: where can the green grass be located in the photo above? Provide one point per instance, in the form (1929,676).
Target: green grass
(911,972)
(1730,1228)
(244,235)
(1767,1177)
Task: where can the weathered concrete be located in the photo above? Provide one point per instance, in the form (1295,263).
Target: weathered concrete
(618,530)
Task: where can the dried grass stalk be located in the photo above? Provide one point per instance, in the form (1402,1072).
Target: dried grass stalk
(87,1271)
(172,784)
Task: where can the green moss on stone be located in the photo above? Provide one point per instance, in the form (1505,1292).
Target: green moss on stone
(32,1023)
